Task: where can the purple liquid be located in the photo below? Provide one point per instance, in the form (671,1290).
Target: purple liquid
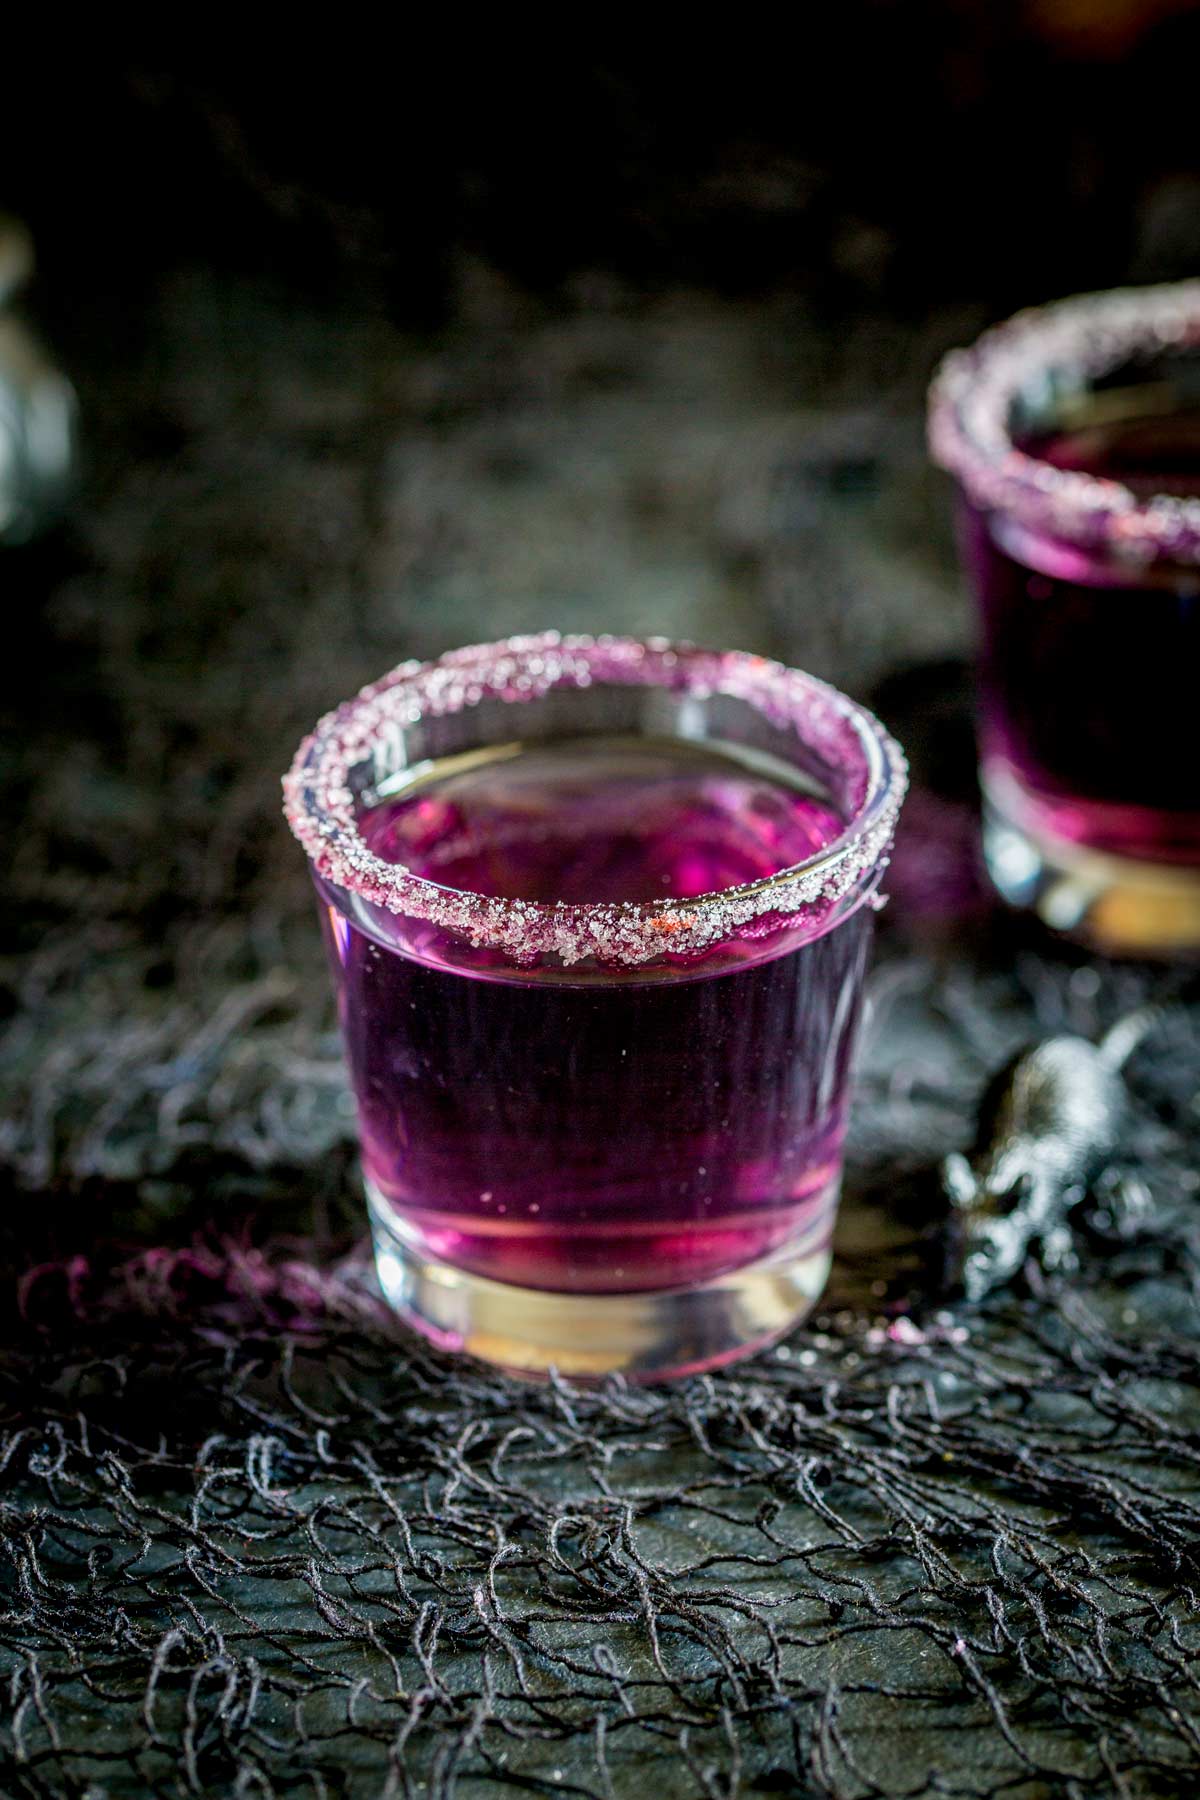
(1088,675)
(602,1130)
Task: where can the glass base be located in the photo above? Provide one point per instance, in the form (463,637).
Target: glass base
(646,1336)
(1111,903)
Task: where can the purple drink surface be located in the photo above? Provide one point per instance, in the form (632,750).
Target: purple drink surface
(586,820)
(1087,671)
(612,1130)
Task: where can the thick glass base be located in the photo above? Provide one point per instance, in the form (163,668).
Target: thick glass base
(1112,903)
(645,1336)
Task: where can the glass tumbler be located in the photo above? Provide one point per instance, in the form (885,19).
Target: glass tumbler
(1074,434)
(598,913)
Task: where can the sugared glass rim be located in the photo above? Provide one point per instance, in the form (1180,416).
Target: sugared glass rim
(320,805)
(972,397)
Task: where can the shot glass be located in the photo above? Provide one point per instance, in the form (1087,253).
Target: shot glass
(1074,434)
(598,913)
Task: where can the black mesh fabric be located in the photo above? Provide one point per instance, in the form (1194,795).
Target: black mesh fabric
(254,1540)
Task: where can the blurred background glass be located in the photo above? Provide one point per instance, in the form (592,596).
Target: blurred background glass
(37,407)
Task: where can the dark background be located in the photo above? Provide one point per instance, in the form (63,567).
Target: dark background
(900,155)
(382,348)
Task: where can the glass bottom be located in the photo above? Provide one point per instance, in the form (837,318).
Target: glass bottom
(1111,903)
(644,1336)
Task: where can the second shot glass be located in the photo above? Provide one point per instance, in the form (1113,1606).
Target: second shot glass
(598,913)
(1074,434)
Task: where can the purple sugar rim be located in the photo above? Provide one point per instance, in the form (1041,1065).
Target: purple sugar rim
(320,806)
(971,399)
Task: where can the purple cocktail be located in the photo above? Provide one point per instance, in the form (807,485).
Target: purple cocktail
(1075,434)
(598,913)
